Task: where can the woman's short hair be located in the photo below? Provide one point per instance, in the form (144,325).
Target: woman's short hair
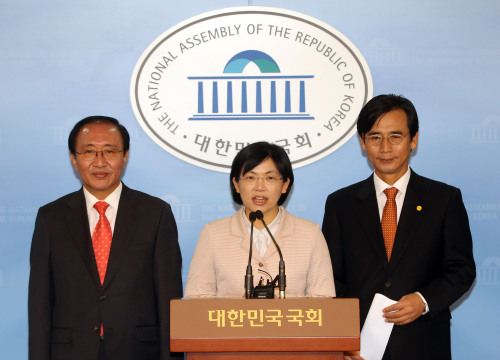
(254,154)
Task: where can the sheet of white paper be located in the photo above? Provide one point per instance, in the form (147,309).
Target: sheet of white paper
(375,333)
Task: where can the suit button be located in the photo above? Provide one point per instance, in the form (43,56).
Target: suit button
(261,264)
(388,284)
(103,297)
(95,329)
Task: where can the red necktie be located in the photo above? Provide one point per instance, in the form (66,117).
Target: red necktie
(389,220)
(101,240)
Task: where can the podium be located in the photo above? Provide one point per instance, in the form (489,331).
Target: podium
(264,329)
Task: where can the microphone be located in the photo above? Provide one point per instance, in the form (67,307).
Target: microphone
(281,277)
(252,216)
(249,276)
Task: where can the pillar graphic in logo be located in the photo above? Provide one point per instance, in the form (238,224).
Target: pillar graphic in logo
(238,85)
(488,273)
(214,83)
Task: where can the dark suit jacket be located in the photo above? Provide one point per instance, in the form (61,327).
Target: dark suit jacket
(432,254)
(67,303)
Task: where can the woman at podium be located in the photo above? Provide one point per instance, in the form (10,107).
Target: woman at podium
(261,178)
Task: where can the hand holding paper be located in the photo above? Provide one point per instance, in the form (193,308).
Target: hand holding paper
(407,309)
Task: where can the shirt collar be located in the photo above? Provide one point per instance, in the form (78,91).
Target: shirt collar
(273,226)
(113,199)
(401,184)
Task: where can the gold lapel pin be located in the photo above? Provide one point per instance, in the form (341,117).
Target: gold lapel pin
(419,208)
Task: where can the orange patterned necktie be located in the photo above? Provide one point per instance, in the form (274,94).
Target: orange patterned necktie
(389,220)
(101,240)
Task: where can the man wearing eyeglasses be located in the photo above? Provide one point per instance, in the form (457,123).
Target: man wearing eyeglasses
(105,260)
(401,235)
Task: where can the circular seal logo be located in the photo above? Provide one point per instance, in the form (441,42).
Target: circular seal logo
(217,82)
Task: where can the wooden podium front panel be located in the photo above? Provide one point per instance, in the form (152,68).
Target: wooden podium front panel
(271,325)
(266,356)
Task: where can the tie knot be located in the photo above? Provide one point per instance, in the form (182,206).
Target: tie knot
(101,207)
(391,193)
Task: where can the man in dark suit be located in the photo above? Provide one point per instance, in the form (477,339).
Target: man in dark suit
(105,260)
(413,246)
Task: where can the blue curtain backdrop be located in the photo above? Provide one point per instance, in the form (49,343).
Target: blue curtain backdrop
(63,60)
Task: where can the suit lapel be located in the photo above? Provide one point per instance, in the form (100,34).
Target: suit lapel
(127,219)
(369,218)
(77,222)
(410,217)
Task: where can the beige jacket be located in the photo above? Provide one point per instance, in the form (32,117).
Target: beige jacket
(220,259)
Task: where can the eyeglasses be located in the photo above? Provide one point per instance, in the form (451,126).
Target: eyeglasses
(253,179)
(107,154)
(394,139)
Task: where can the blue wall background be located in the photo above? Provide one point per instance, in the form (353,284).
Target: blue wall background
(63,60)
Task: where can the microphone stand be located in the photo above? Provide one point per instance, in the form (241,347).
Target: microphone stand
(249,275)
(281,275)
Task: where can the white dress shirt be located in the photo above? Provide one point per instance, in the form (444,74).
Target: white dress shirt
(113,199)
(261,237)
(401,185)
